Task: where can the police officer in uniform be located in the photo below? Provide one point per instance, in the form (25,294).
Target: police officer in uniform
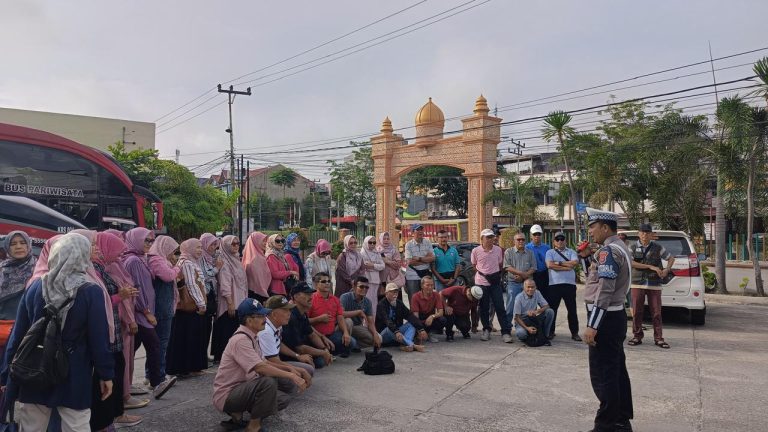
(607,324)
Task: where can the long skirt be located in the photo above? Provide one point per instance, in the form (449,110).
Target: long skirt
(103,412)
(223,328)
(186,349)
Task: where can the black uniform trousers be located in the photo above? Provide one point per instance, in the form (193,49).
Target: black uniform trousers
(608,372)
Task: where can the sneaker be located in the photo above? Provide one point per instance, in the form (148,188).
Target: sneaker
(507,338)
(576,337)
(466,335)
(136,390)
(126,421)
(433,339)
(134,403)
(486,335)
(163,387)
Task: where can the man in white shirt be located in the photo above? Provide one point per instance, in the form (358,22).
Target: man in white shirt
(270,339)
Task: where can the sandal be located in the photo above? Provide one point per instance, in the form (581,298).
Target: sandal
(662,344)
(634,341)
(134,403)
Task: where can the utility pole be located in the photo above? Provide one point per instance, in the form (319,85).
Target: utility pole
(231,93)
(248,196)
(178,153)
(518,152)
(719,228)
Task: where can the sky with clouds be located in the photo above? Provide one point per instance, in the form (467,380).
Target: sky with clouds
(142,59)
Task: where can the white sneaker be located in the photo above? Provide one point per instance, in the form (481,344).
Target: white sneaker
(163,387)
(507,338)
(486,335)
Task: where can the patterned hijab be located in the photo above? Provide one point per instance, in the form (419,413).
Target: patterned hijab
(288,240)
(68,263)
(15,272)
(208,239)
(273,250)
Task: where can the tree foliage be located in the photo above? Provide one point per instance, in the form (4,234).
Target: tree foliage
(352,181)
(284,177)
(189,209)
(447,184)
(518,198)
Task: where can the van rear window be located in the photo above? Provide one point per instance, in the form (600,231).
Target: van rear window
(674,245)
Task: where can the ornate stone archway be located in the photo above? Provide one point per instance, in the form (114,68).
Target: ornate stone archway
(474,151)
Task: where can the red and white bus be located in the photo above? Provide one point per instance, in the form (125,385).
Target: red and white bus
(80,182)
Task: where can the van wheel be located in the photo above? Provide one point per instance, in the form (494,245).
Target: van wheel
(698,316)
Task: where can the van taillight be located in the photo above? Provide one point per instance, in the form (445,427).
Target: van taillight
(693,267)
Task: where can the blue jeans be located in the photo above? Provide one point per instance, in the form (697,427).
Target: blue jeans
(549,318)
(340,349)
(513,289)
(407,330)
(163,329)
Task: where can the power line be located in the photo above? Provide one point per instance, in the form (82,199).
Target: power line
(328,42)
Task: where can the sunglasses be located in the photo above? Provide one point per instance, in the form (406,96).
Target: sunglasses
(279,240)
(324,281)
(235,243)
(560,239)
(537,234)
(149,240)
(519,239)
(371,242)
(363,286)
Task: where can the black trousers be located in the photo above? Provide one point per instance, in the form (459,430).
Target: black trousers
(103,412)
(542,281)
(462,323)
(148,337)
(438,324)
(566,293)
(608,372)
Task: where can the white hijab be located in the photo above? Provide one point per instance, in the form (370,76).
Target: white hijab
(68,262)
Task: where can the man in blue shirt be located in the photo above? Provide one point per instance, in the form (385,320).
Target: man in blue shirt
(528,305)
(561,262)
(446,267)
(539,249)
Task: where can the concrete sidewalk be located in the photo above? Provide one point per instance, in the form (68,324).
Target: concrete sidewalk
(713,378)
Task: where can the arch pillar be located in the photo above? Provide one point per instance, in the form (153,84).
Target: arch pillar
(479,215)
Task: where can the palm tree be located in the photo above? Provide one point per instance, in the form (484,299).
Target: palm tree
(743,145)
(761,70)
(284,177)
(556,126)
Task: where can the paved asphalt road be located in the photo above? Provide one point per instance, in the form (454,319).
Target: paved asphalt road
(713,379)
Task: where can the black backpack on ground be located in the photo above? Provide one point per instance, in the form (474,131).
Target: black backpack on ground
(539,338)
(377,363)
(41,361)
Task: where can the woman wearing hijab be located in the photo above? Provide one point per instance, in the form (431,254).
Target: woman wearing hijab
(293,249)
(349,265)
(392,261)
(280,267)
(80,304)
(233,289)
(318,261)
(15,271)
(186,350)
(111,410)
(373,264)
(256,268)
(139,241)
(210,264)
(162,259)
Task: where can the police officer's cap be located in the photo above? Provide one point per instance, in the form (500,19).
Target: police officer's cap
(595,215)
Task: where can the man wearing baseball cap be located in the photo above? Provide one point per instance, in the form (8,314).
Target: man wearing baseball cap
(561,262)
(539,249)
(607,324)
(419,255)
(271,344)
(459,301)
(488,261)
(245,381)
(396,323)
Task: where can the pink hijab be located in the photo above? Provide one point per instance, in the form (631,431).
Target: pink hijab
(110,248)
(95,277)
(208,239)
(117,233)
(255,263)
(322,246)
(134,239)
(163,246)
(41,267)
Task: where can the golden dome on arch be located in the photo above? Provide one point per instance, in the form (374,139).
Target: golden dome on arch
(481,106)
(430,114)
(386,125)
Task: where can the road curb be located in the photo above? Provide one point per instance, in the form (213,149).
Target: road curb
(735,299)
